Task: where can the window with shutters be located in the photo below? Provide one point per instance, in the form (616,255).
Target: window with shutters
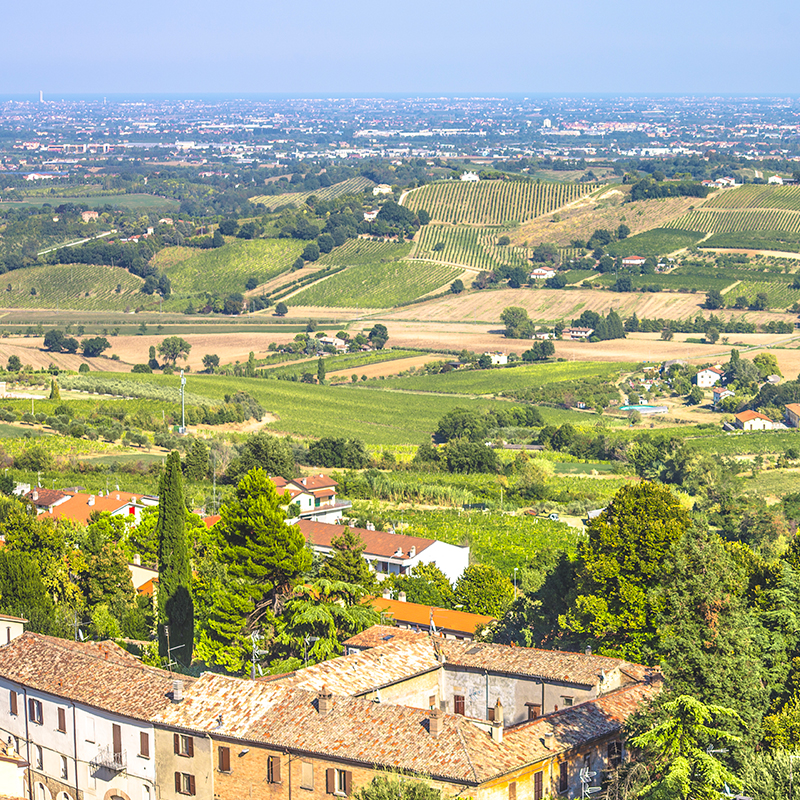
(12,703)
(306,775)
(458,704)
(62,720)
(35,711)
(490,713)
(184,783)
(568,702)
(274,769)
(144,744)
(64,768)
(183,745)
(537,786)
(563,777)
(512,790)
(614,754)
(224,759)
(534,710)
(432,701)
(39,756)
(338,781)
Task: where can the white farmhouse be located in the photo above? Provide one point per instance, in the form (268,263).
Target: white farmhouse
(470,177)
(391,553)
(79,714)
(708,377)
(498,359)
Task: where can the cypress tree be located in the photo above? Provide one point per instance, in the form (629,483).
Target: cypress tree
(175,605)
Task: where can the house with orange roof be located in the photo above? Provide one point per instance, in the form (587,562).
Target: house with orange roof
(447,622)
(80,506)
(753,421)
(315,496)
(707,377)
(390,553)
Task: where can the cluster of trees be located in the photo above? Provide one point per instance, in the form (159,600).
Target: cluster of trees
(656,584)
(56,341)
(699,324)
(715,299)
(608,327)
(652,189)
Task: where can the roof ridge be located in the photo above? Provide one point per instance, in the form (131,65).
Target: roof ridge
(466,749)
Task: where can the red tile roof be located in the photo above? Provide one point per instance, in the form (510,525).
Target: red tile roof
(79,509)
(386,735)
(418,614)
(44,497)
(98,674)
(746,416)
(382,634)
(793,407)
(377,543)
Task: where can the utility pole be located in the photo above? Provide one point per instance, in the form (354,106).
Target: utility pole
(183,404)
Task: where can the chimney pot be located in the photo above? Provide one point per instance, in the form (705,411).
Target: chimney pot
(177,691)
(401,597)
(137,559)
(387,594)
(588,649)
(549,741)
(412,552)
(35,495)
(435,723)
(91,500)
(324,701)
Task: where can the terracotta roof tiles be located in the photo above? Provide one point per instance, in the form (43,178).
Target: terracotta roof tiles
(99,674)
(377,543)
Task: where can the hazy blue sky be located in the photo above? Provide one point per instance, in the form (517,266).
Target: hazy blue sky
(347,47)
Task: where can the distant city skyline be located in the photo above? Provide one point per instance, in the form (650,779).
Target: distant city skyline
(314,49)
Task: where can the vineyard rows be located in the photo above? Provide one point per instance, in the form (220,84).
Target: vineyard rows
(381,285)
(731,221)
(80,286)
(757,196)
(364,251)
(492,202)
(471,247)
(350,186)
(779,292)
(226,269)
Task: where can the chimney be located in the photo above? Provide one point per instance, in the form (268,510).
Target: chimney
(91,500)
(324,701)
(435,723)
(401,597)
(35,496)
(177,691)
(137,559)
(588,649)
(497,724)
(550,741)
(117,495)
(387,594)
(412,552)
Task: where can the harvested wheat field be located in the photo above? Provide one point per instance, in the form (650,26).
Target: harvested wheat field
(30,352)
(387,368)
(481,338)
(549,305)
(230,347)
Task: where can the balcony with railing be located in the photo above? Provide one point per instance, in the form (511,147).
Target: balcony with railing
(108,758)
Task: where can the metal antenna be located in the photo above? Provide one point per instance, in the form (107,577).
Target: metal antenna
(256,654)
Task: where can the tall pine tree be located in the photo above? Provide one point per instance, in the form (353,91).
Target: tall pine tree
(175,605)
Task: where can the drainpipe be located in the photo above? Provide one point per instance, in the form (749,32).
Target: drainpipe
(486,675)
(75,745)
(28,740)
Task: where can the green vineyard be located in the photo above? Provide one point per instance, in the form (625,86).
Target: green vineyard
(350,186)
(492,202)
(381,285)
(733,221)
(226,269)
(79,286)
(757,196)
(476,248)
(356,252)
(756,240)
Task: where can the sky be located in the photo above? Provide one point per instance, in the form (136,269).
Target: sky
(352,47)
